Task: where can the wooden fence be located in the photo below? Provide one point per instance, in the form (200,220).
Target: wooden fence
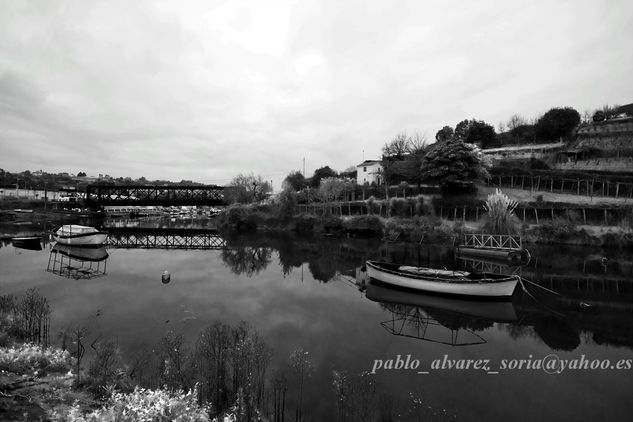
(574,186)
(526,214)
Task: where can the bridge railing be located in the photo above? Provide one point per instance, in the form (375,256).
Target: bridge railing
(101,195)
(497,241)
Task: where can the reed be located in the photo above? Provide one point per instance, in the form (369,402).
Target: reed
(500,209)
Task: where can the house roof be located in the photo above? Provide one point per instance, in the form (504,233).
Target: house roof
(627,108)
(366,162)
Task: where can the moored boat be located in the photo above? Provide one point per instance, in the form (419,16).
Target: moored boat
(459,283)
(76,235)
(27,242)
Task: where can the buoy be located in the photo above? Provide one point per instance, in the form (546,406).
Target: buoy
(166,277)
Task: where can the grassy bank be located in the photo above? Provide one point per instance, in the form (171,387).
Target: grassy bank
(420,225)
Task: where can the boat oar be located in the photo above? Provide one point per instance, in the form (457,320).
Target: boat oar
(538,285)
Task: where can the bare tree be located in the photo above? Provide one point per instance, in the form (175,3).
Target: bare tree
(516,121)
(400,145)
(418,143)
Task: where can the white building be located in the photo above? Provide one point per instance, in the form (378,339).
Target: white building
(368,172)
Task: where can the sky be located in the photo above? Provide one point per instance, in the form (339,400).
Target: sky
(205,90)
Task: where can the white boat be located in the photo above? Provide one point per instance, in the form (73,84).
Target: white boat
(460,283)
(76,235)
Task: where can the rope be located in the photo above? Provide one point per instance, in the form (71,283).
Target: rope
(538,301)
(538,285)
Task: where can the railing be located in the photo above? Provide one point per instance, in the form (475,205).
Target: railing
(497,241)
(101,195)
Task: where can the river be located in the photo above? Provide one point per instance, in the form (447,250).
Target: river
(302,293)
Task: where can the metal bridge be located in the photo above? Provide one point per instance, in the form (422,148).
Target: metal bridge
(144,238)
(102,195)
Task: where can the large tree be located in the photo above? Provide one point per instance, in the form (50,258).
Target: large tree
(398,146)
(444,134)
(294,181)
(333,188)
(453,162)
(481,133)
(557,123)
(321,173)
(245,188)
(461,130)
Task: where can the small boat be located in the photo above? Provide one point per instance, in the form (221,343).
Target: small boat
(76,235)
(459,283)
(32,243)
(495,247)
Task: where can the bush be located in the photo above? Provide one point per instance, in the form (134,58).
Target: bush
(304,223)
(141,405)
(330,224)
(365,225)
(500,218)
(27,358)
(372,206)
(287,203)
(399,207)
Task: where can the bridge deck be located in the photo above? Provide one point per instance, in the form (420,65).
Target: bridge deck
(102,195)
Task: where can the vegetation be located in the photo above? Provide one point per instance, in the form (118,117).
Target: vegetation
(500,218)
(295,181)
(29,358)
(321,173)
(453,162)
(557,123)
(246,188)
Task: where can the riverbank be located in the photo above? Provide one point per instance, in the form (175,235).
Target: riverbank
(417,228)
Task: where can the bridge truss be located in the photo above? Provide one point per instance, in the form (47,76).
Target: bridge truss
(110,195)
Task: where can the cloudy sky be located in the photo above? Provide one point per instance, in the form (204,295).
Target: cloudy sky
(205,90)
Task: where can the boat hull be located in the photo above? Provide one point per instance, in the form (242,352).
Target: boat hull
(501,288)
(87,240)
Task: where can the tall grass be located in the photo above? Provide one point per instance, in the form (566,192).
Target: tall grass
(500,218)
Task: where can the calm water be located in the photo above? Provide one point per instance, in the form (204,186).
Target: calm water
(300,293)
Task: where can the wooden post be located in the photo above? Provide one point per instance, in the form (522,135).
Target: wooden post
(463,214)
(551,186)
(536,215)
(522,181)
(578,187)
(552,213)
(511,181)
(455,214)
(606,220)
(538,182)
(524,215)
(441,208)
(477,214)
(617,189)
(584,216)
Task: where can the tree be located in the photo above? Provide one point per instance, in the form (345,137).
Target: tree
(245,188)
(294,181)
(333,188)
(399,146)
(557,123)
(598,116)
(418,143)
(321,173)
(81,174)
(610,111)
(480,133)
(516,121)
(461,130)
(453,162)
(444,134)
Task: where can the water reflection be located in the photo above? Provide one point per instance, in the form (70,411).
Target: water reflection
(76,262)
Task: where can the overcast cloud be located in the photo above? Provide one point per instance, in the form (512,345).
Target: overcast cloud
(206,90)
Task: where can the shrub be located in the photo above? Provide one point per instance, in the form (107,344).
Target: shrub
(27,358)
(304,223)
(287,203)
(372,206)
(330,224)
(399,207)
(141,405)
(365,225)
(500,218)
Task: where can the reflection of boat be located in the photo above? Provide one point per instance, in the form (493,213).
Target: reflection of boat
(32,243)
(82,254)
(494,310)
(459,283)
(77,262)
(75,235)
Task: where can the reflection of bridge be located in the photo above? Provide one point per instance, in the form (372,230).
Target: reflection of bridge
(144,238)
(100,195)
